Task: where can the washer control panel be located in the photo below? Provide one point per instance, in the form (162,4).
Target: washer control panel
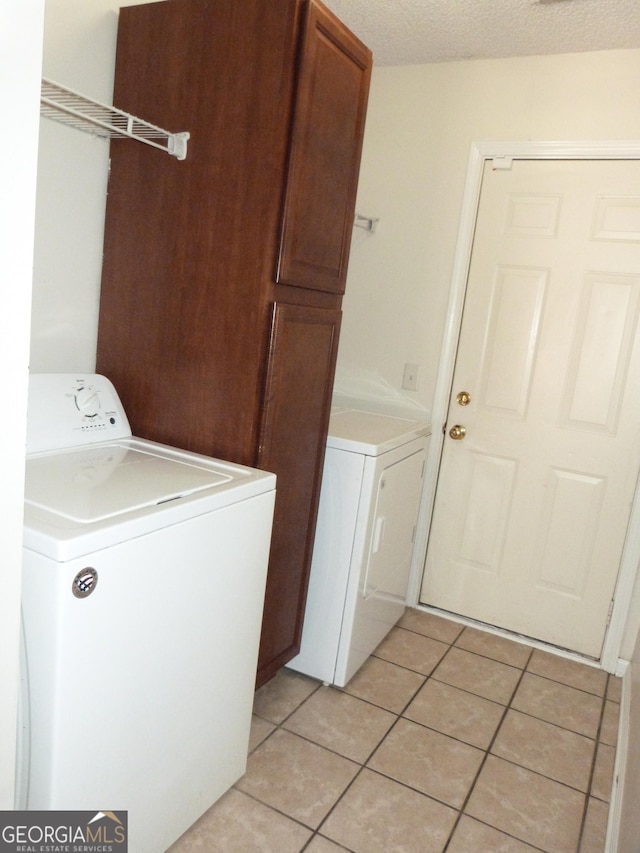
(68,410)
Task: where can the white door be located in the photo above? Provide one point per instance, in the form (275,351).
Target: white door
(533,501)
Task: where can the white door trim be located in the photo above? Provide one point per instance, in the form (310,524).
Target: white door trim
(479,153)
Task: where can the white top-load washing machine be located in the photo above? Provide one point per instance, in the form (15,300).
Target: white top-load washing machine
(143,587)
(362,556)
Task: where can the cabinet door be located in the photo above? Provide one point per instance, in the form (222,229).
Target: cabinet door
(299,383)
(326,143)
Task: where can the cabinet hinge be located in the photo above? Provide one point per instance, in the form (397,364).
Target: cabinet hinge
(610,613)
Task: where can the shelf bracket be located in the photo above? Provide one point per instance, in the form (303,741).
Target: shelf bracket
(369,223)
(66,106)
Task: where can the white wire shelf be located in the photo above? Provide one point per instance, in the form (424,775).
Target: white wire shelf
(75,110)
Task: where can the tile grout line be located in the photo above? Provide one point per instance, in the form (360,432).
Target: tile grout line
(398,715)
(523,670)
(363,766)
(487,752)
(279,727)
(452,645)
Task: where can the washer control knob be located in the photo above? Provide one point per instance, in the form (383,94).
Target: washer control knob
(87,401)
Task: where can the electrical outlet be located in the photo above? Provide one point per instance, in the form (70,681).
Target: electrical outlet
(410,377)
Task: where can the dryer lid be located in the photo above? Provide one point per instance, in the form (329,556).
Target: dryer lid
(104,481)
(371,433)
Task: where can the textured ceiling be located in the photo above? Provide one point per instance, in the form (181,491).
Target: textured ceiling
(408,32)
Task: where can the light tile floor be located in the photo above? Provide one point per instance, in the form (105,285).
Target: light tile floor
(448,739)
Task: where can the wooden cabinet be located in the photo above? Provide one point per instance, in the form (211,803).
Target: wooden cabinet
(224,273)
(297,402)
(324,162)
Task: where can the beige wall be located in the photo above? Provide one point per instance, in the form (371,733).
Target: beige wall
(20,60)
(420,124)
(629,838)
(79,52)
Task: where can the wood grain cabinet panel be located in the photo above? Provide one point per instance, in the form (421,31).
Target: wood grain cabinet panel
(326,144)
(302,356)
(218,340)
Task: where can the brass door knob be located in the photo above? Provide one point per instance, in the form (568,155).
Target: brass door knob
(464,398)
(457,432)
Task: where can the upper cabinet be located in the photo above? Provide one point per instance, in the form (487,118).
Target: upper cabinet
(326,143)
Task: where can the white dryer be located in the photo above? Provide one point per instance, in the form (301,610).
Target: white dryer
(143,586)
(362,556)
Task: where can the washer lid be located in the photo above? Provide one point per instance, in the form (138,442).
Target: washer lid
(104,481)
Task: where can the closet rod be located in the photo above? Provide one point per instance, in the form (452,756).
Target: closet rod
(66,106)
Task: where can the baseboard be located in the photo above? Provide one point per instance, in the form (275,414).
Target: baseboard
(620,765)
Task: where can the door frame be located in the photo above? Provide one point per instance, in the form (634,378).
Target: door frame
(506,151)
